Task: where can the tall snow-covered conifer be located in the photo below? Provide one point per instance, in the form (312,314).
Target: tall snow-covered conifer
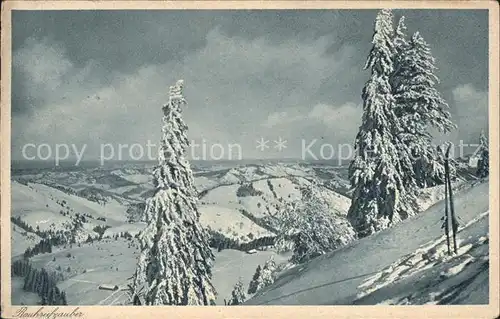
(419,105)
(174,267)
(380,191)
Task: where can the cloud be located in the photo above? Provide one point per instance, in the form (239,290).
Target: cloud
(42,63)
(280,118)
(232,84)
(38,68)
(325,114)
(342,119)
(471,107)
(329,124)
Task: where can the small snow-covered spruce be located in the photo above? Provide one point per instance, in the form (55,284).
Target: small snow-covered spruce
(238,295)
(264,276)
(483,167)
(267,274)
(174,267)
(419,105)
(255,282)
(383,190)
(311,226)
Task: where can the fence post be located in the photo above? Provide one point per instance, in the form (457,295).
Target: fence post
(446,224)
(454,223)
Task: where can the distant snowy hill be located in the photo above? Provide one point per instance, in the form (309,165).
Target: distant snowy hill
(39,208)
(259,192)
(238,201)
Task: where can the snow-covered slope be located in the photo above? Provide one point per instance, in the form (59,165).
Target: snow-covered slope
(40,205)
(431,276)
(35,208)
(263,197)
(431,195)
(45,208)
(231,265)
(249,197)
(113,211)
(89,265)
(247,194)
(334,278)
(21,240)
(230,223)
(112,262)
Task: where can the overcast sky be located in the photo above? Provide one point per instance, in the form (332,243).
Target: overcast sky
(97,77)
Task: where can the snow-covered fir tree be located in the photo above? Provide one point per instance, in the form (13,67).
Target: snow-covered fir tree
(254,283)
(483,168)
(419,105)
(400,47)
(174,266)
(238,295)
(264,276)
(268,273)
(311,227)
(380,172)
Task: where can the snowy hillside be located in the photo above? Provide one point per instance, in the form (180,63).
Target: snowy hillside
(430,276)
(112,262)
(338,277)
(237,201)
(259,193)
(22,239)
(45,208)
(231,223)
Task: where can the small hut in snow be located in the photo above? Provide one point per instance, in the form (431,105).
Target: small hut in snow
(474,159)
(108,287)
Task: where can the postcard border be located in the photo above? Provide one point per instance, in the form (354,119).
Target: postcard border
(484,311)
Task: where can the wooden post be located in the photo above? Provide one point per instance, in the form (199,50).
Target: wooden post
(446,223)
(454,223)
(445,218)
